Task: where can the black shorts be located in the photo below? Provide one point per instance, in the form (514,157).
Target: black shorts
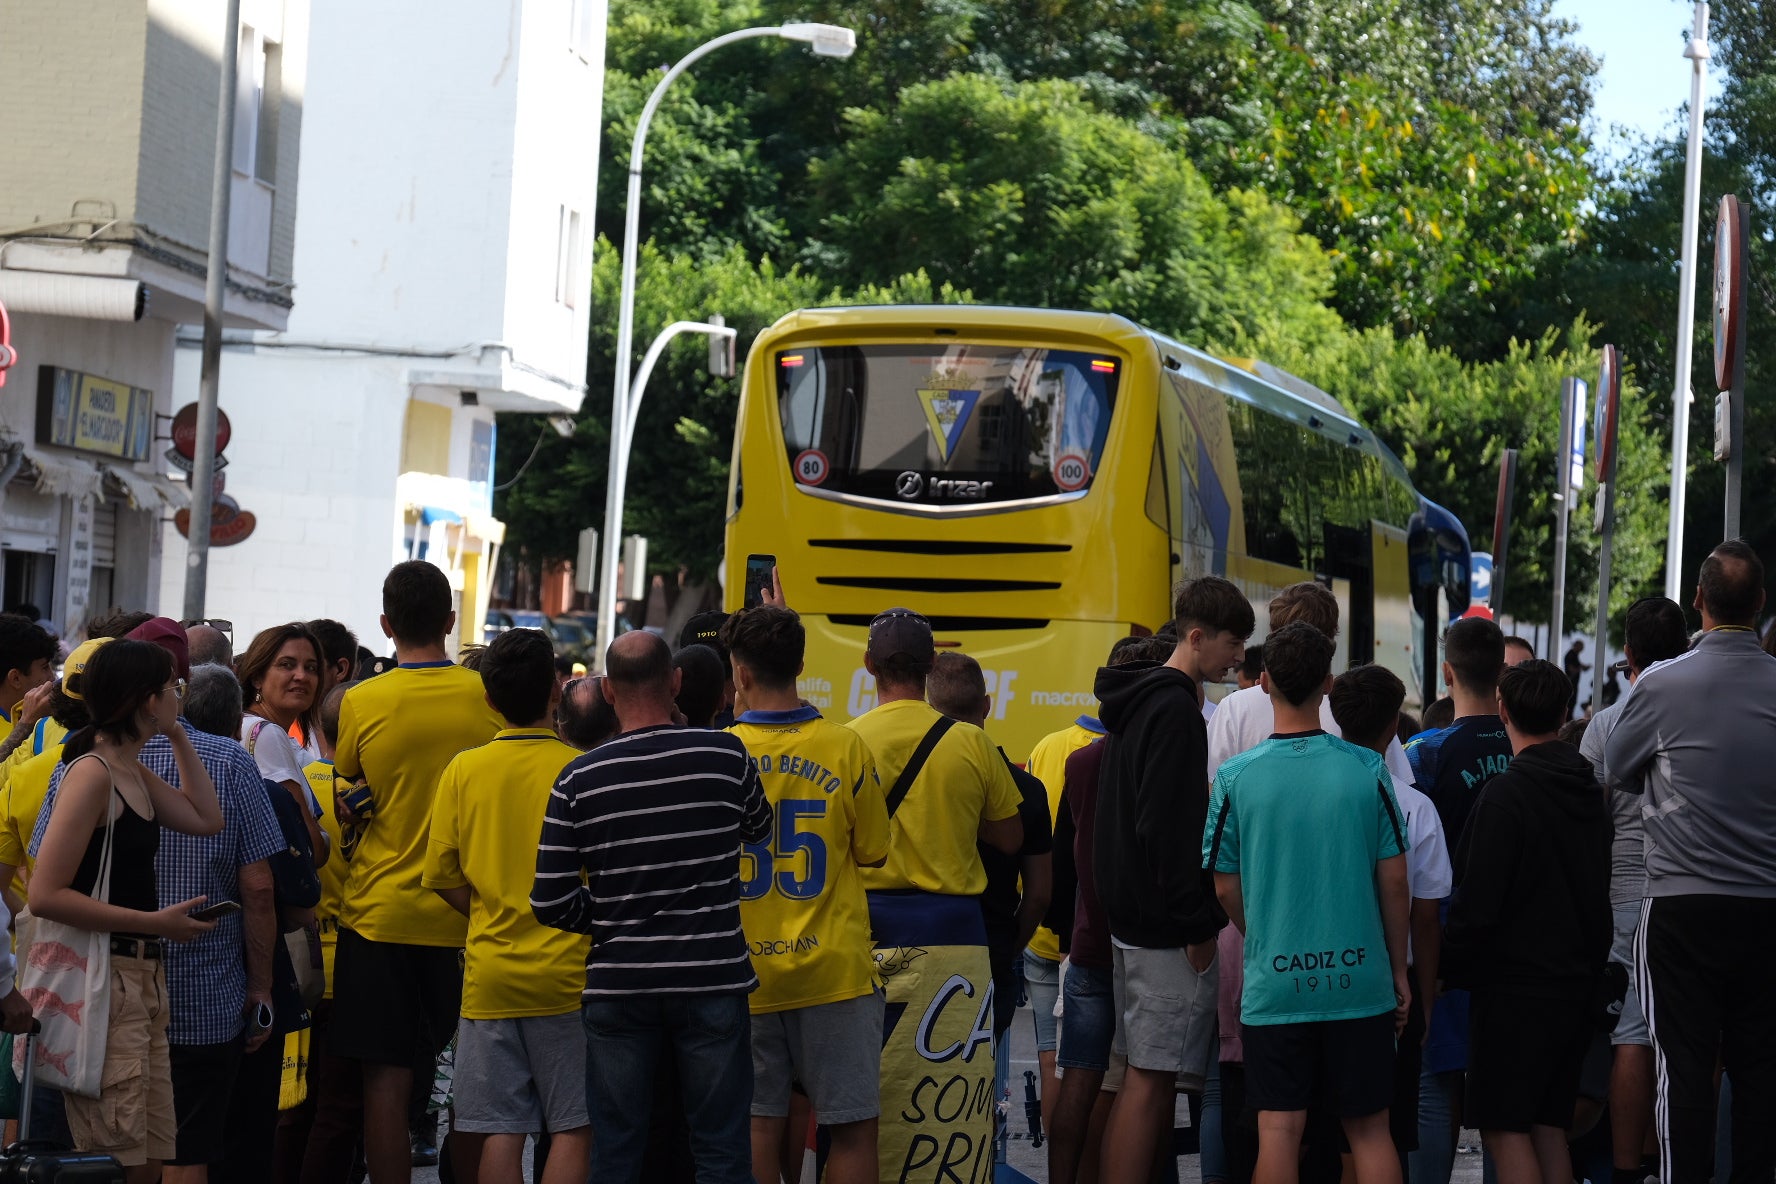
(1347,1066)
(203,1087)
(1525,1057)
(393,1004)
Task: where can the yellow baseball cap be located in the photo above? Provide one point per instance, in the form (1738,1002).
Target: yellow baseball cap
(76,664)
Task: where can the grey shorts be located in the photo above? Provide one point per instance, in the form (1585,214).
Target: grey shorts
(1166,1013)
(1631,1028)
(1042,980)
(833,1050)
(520,1076)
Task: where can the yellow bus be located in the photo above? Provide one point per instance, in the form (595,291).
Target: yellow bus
(1036,481)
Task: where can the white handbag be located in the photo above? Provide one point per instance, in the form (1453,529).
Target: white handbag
(66,977)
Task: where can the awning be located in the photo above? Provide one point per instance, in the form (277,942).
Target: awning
(87,297)
(431,514)
(64,476)
(147,491)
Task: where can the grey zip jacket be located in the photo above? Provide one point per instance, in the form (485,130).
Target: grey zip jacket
(1696,736)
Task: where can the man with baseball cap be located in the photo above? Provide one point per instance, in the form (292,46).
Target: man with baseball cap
(946,785)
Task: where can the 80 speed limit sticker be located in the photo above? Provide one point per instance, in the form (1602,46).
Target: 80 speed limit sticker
(1072,471)
(811,467)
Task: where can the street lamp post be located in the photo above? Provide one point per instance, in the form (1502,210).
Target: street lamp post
(1696,50)
(833,41)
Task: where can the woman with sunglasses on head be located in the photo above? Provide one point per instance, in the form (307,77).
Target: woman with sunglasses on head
(280,677)
(132,695)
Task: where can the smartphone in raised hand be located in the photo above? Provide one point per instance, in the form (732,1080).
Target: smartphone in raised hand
(760,574)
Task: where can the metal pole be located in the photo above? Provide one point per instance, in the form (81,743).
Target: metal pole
(1563,495)
(203,459)
(621,389)
(1698,54)
(1600,659)
(1736,396)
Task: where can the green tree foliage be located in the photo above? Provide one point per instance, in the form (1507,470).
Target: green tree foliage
(1031,196)
(1437,225)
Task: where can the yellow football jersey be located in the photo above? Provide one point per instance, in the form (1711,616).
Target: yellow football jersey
(1048,761)
(801,897)
(23,796)
(932,836)
(486,824)
(320,783)
(398,731)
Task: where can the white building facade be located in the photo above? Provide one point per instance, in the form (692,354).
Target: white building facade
(443,256)
(109,139)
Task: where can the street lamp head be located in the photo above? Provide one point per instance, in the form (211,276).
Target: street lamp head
(828,41)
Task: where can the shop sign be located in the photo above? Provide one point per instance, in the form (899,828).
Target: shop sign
(91,414)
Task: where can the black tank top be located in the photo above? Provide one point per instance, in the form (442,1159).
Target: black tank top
(133,848)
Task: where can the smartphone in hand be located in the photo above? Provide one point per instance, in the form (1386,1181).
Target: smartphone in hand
(760,571)
(213,912)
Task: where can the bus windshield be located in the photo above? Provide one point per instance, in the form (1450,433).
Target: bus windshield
(943,425)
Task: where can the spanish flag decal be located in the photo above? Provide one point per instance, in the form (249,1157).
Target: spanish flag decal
(948,412)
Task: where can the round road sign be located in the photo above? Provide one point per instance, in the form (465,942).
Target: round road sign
(1729,291)
(811,467)
(1072,471)
(185,431)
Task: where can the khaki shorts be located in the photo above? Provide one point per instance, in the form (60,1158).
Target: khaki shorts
(132,1118)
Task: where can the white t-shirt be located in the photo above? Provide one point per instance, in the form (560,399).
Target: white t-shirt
(275,753)
(1429,875)
(1245,720)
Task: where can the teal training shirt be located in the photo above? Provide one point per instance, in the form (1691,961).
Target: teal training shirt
(1304,819)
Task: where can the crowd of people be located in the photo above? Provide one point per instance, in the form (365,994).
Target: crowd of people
(669,920)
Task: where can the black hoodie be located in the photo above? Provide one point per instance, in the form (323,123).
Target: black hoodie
(1531,913)
(1153,799)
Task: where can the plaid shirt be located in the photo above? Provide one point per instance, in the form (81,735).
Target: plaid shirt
(206,978)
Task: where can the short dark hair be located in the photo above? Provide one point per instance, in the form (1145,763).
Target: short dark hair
(68,711)
(1215,604)
(643,663)
(1732,583)
(955,685)
(117,623)
(1408,727)
(518,671)
(1366,702)
(330,710)
(1572,731)
(1535,695)
(584,719)
(1306,601)
(1474,647)
(338,644)
(701,683)
(1297,659)
(1253,665)
(1655,631)
(416,601)
(1440,714)
(1122,646)
(770,641)
(1513,639)
(23,643)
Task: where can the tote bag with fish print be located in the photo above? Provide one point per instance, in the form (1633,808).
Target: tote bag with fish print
(66,977)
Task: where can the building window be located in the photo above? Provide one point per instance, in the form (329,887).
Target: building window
(568,277)
(582,33)
(256,94)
